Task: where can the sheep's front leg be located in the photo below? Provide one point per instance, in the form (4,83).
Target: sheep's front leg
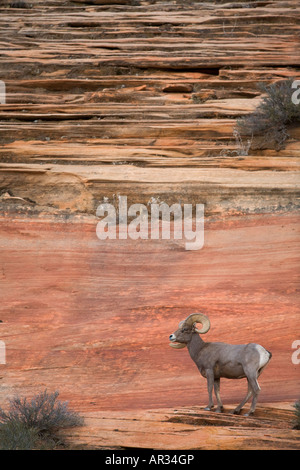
(218,397)
(210,384)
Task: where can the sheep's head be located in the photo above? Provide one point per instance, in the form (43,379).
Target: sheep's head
(187,327)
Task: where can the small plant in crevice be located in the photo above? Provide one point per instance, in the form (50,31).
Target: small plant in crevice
(34,424)
(269,122)
(242,147)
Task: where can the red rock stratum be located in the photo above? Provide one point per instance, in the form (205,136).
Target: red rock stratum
(92,318)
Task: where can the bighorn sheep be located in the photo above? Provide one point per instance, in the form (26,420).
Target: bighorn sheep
(216,360)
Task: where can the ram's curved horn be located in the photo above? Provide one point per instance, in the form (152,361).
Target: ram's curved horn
(177,345)
(198,318)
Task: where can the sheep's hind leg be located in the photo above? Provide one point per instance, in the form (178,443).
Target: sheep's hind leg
(240,406)
(255,389)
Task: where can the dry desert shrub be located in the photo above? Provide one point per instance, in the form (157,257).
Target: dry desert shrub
(272,117)
(31,424)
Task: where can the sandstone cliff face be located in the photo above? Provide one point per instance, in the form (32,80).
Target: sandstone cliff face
(110,98)
(92,318)
(141,98)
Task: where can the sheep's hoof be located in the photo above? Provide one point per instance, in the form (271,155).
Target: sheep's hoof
(219,409)
(208,408)
(236,412)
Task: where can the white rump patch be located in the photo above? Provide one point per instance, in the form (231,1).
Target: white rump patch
(264,356)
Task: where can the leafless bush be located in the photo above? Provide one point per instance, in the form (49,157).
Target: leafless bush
(30,422)
(273,115)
